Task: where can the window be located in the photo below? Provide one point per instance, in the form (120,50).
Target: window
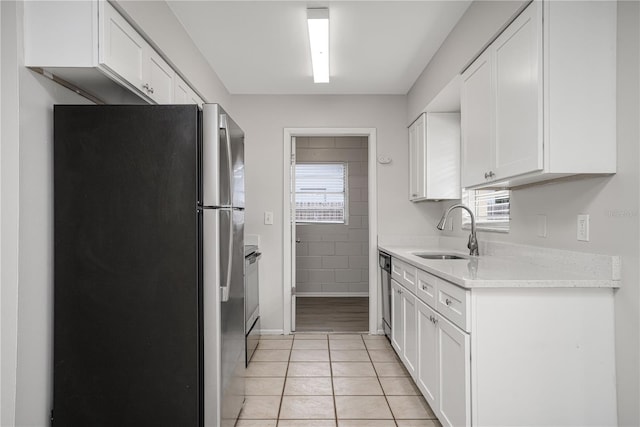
(491,209)
(321,193)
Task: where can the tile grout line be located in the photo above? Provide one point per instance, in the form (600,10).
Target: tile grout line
(384,393)
(284,384)
(333,390)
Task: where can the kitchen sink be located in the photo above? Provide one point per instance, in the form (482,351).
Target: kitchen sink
(437,256)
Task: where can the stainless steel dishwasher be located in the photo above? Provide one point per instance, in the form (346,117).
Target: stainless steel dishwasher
(384,261)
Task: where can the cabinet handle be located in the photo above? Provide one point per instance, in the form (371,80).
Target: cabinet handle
(414,195)
(489,174)
(424,287)
(448,301)
(486,175)
(148,88)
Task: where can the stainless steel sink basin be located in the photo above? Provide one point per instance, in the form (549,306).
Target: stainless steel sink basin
(437,256)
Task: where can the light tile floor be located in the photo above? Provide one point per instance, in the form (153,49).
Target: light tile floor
(331,380)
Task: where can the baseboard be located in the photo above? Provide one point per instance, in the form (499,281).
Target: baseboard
(332,294)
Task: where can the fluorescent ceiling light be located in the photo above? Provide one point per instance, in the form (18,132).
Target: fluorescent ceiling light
(318,22)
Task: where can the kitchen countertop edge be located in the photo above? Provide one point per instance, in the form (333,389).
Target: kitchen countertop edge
(522,273)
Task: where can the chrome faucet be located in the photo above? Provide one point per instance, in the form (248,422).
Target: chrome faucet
(473,241)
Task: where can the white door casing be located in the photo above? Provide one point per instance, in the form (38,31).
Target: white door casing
(292,224)
(288,238)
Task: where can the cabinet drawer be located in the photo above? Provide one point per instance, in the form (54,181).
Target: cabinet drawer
(427,288)
(404,273)
(453,303)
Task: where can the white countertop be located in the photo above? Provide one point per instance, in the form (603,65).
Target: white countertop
(498,271)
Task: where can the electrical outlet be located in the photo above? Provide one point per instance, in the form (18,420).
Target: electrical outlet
(268,218)
(583,228)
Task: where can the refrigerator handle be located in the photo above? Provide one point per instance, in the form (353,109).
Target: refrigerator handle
(224,124)
(224,290)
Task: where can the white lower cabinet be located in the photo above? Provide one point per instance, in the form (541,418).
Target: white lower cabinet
(444,374)
(397,318)
(410,353)
(526,364)
(454,374)
(404,338)
(428,378)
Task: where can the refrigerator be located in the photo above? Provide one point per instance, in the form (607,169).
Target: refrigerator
(148,266)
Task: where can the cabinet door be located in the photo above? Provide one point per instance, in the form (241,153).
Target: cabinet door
(183,94)
(454,370)
(442,156)
(159,78)
(397,318)
(427,375)
(410,348)
(477,121)
(122,49)
(518,95)
(417,159)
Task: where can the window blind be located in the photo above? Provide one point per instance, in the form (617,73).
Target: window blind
(490,207)
(321,193)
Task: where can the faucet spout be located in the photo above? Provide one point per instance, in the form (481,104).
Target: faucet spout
(473,240)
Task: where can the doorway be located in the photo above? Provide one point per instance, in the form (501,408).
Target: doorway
(332,223)
(334,288)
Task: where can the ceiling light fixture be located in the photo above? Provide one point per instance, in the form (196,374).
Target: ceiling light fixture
(318,23)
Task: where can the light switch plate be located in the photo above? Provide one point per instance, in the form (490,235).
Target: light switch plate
(583,228)
(268,218)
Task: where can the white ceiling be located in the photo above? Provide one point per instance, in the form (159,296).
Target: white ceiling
(261,47)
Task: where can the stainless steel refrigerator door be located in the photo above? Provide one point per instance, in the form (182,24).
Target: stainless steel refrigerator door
(213,158)
(211,315)
(236,143)
(233,325)
(223,298)
(222,159)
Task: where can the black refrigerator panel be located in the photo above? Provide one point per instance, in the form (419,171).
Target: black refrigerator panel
(126,292)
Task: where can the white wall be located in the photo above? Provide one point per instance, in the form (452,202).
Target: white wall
(481,21)
(263,119)
(155,19)
(611,202)
(9,193)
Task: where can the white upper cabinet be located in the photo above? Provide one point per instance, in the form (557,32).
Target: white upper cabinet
(92,46)
(517,63)
(183,94)
(121,48)
(417,159)
(536,104)
(476,120)
(159,77)
(434,157)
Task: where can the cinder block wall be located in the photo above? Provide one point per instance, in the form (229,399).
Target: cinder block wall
(331,260)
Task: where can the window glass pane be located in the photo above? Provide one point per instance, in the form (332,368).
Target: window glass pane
(321,192)
(491,209)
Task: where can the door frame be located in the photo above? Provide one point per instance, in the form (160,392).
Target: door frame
(288,264)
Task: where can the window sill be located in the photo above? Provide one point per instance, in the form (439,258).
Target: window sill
(484,227)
